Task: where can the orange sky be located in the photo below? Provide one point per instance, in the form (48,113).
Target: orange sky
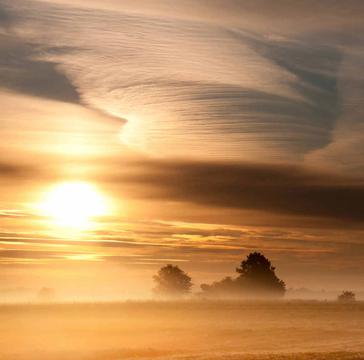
(206,130)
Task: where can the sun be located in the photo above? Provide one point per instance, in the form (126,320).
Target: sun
(73,205)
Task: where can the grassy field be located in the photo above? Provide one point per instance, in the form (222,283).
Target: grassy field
(183,330)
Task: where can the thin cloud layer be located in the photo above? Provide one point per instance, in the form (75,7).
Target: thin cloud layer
(12,171)
(145,245)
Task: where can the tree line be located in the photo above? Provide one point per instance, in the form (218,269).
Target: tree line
(256,278)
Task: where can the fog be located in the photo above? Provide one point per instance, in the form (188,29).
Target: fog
(183,330)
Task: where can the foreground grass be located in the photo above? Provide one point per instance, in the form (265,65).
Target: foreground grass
(224,330)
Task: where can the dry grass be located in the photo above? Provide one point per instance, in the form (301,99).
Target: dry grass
(182,330)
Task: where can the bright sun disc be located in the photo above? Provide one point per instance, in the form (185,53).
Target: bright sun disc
(73,204)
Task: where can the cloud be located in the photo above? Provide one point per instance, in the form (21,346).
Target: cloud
(156,242)
(16,171)
(272,92)
(3,16)
(22,72)
(345,151)
(21,68)
(261,13)
(278,189)
(8,256)
(268,94)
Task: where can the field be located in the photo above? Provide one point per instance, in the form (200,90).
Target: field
(183,330)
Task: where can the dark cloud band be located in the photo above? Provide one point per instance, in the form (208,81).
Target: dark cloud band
(274,188)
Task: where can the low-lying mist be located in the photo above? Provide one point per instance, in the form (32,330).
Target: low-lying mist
(179,329)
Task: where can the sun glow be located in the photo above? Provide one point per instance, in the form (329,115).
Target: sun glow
(73,205)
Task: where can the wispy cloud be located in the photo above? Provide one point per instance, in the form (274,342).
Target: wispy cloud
(16,170)
(226,87)
(146,245)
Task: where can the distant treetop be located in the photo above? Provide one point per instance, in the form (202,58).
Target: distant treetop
(256,278)
(171,281)
(258,275)
(346,296)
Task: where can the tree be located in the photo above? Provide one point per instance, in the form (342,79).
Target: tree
(256,278)
(172,282)
(346,296)
(257,275)
(226,286)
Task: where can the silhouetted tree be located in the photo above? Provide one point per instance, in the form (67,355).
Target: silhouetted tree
(258,275)
(172,282)
(224,287)
(346,296)
(256,278)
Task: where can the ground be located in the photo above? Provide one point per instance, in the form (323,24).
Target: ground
(224,330)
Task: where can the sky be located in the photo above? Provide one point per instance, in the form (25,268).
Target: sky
(145,132)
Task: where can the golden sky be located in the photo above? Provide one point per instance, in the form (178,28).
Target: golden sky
(140,133)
